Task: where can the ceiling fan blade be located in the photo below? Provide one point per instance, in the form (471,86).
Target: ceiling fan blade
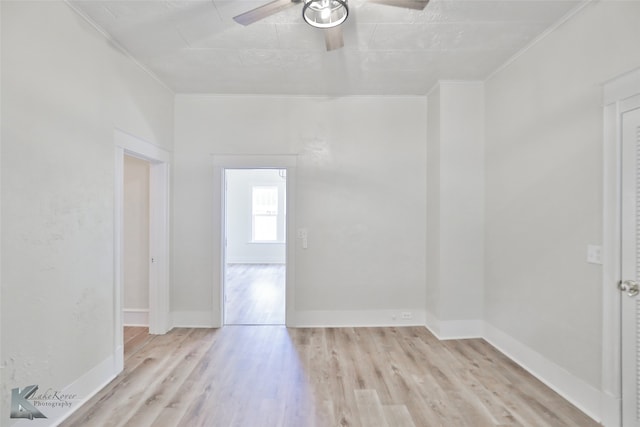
(263,11)
(407,4)
(333,38)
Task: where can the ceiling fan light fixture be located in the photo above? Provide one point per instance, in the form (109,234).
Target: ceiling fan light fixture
(325,13)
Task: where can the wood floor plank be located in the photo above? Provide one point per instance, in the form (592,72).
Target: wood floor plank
(397,416)
(134,339)
(370,409)
(271,376)
(137,371)
(132,331)
(158,394)
(254,294)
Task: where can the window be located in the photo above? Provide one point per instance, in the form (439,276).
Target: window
(265,214)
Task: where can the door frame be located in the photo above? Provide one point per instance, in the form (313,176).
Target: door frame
(618,93)
(221,163)
(159,183)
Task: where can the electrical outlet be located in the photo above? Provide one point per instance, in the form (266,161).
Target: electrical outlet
(406,315)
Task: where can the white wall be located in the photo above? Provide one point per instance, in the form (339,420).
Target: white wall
(240,246)
(360,192)
(544,186)
(136,241)
(64,89)
(455,218)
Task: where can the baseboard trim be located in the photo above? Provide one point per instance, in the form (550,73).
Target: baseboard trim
(135,316)
(193,319)
(611,410)
(118,357)
(358,318)
(257,260)
(454,329)
(584,396)
(85,387)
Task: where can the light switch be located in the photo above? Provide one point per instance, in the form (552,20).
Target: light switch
(594,254)
(302,234)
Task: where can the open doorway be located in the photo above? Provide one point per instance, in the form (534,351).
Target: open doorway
(157,259)
(255,251)
(135,289)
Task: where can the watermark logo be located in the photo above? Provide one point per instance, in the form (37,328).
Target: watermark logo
(21,407)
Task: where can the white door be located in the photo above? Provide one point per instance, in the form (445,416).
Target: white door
(628,286)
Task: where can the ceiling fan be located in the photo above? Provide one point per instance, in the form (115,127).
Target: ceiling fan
(324,14)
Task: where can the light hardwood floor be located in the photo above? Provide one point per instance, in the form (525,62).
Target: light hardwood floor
(254,294)
(271,376)
(135,337)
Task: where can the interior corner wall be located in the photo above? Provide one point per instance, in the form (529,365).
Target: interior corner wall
(544,178)
(360,192)
(64,89)
(455,200)
(432,264)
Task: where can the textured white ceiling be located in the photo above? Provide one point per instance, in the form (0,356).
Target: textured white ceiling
(196,47)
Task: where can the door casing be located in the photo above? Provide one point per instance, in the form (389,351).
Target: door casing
(159,160)
(241,161)
(620,95)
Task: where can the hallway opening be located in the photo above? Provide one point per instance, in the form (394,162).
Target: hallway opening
(255,247)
